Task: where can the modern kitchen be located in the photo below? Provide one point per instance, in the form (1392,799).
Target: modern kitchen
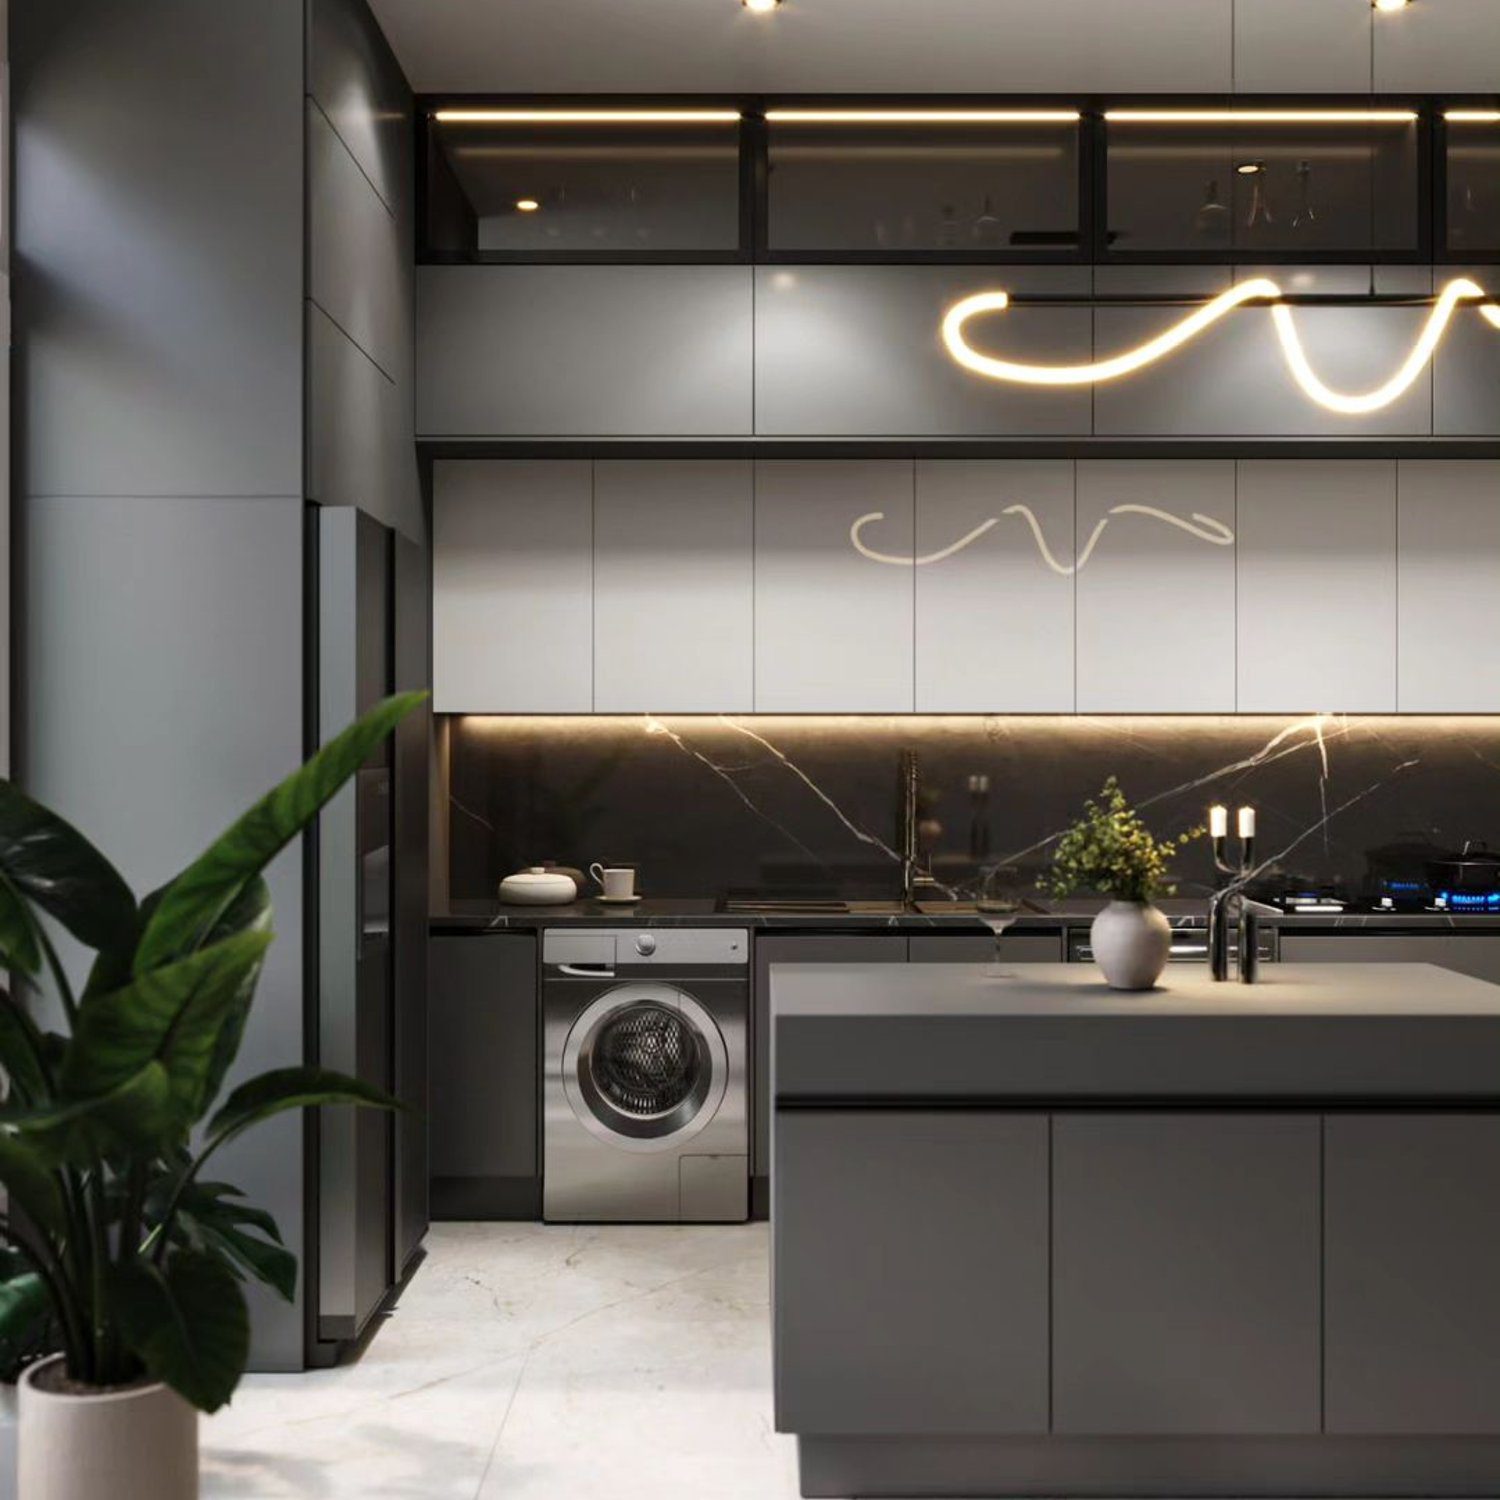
(894,886)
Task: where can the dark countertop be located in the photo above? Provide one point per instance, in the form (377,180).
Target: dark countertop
(889,916)
(873,1032)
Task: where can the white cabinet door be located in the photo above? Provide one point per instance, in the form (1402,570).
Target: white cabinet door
(1448,48)
(995,617)
(674,603)
(833,627)
(1317,586)
(512,586)
(1448,559)
(1156,551)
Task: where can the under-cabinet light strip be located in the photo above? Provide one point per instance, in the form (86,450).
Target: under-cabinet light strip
(1260,116)
(1472,116)
(923,116)
(587,116)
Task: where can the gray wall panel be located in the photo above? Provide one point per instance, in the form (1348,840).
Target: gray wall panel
(856,351)
(357,256)
(1446,48)
(358,84)
(162,660)
(1466,371)
(1291,47)
(1232,381)
(592,351)
(159,239)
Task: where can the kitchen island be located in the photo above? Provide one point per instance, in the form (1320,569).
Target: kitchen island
(1033,1236)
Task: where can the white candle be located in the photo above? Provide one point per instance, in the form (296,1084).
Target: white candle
(1247,823)
(1218,822)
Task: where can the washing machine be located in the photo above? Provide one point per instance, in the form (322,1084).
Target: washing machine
(645,1098)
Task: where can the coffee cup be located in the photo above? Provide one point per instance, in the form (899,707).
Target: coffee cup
(618,881)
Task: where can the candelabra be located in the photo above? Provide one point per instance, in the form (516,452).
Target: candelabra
(1228,900)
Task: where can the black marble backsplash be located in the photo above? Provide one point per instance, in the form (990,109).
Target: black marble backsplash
(706,804)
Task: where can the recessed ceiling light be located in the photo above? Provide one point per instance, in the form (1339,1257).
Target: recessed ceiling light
(761,7)
(1391,4)
(527,205)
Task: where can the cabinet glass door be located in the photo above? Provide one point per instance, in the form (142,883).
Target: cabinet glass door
(1473,205)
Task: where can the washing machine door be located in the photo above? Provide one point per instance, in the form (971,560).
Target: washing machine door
(645,1067)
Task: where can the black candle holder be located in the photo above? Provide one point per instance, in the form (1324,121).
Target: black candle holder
(1228,903)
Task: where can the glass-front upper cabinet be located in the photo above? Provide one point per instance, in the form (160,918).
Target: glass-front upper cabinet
(1283,183)
(950,183)
(1473,197)
(582,183)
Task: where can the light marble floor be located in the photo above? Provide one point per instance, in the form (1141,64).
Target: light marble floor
(531,1362)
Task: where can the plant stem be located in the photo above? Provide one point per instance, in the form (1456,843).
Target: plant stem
(59,978)
(55,1278)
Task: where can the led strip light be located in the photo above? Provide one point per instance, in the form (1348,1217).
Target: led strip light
(1259,289)
(586,116)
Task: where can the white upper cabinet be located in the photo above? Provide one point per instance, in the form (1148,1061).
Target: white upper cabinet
(674,603)
(833,627)
(994,586)
(1438,47)
(1317,586)
(1156,561)
(1291,47)
(1448,514)
(512,586)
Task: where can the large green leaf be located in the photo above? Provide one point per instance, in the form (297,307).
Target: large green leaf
(138,1114)
(170,1018)
(187,1322)
(29,1182)
(57,869)
(250,912)
(268,1094)
(23,1052)
(20,947)
(197,899)
(213,1215)
(26,1321)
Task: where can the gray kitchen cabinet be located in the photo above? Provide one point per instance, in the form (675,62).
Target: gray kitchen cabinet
(994,620)
(1473,953)
(833,629)
(1233,380)
(1448,552)
(1185,1274)
(1466,366)
(1156,624)
(1289,47)
(1447,48)
(583,351)
(855,351)
(790,948)
(512,571)
(1317,586)
(485,1061)
(1412,1301)
(912,1281)
(962,948)
(674,601)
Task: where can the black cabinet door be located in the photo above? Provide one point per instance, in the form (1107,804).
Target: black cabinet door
(910,1272)
(483,1045)
(1412,1274)
(1185,1274)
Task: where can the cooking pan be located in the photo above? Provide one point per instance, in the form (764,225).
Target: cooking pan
(1475,870)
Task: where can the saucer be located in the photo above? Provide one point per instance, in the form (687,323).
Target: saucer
(618,900)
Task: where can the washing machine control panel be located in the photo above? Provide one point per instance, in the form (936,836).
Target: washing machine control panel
(597,951)
(645,945)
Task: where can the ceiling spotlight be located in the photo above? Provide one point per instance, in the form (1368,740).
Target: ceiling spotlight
(1391,4)
(527,205)
(761,7)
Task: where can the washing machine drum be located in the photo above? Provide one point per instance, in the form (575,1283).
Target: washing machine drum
(645,1066)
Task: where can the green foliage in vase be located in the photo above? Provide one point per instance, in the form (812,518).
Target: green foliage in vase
(1111,852)
(117,1250)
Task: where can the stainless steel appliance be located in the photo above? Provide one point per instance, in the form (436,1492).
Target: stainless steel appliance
(1189,941)
(645,1098)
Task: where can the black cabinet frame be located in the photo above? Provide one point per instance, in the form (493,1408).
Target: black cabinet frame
(1092,249)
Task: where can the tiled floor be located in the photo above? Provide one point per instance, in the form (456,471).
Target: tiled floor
(534,1363)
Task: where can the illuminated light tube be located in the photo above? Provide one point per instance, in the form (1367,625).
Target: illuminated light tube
(1258,289)
(923,116)
(1260,116)
(586,116)
(1472,116)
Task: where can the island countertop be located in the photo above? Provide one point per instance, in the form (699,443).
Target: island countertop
(871,1032)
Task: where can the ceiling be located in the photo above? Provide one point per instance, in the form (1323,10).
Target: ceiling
(818,46)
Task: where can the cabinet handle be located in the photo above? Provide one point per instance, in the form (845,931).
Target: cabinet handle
(587,971)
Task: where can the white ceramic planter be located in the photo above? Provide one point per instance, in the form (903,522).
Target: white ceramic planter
(138,1444)
(1132,943)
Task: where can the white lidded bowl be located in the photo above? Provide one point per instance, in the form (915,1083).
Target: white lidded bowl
(538,887)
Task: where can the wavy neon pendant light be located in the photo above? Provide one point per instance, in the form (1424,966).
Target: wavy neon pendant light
(1259,289)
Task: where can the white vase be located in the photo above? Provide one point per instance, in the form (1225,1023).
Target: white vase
(1132,942)
(135,1444)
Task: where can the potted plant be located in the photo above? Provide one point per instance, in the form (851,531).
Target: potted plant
(1111,852)
(123,1256)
